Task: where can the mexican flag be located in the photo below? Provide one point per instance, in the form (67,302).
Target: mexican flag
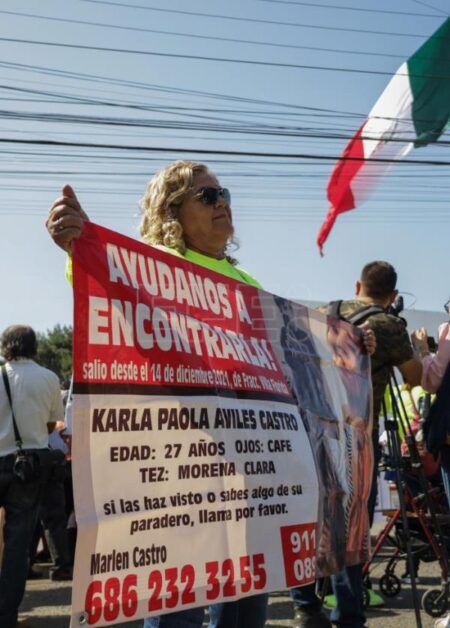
(412,111)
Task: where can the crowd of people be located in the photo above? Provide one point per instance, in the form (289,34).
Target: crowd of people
(187,213)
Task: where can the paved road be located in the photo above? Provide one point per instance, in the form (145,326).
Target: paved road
(47,604)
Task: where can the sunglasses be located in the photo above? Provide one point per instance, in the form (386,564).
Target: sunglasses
(210,196)
(447,307)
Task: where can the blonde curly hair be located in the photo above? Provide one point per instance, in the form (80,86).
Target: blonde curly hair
(164,193)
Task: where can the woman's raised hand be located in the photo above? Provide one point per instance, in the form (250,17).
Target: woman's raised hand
(419,339)
(65,218)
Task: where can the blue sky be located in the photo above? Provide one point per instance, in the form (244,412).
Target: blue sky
(86,96)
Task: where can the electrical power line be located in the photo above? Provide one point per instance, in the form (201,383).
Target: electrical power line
(208,123)
(430,6)
(253,20)
(95,78)
(172,55)
(173,90)
(205,151)
(338,7)
(214,37)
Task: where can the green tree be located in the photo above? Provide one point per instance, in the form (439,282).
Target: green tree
(55,351)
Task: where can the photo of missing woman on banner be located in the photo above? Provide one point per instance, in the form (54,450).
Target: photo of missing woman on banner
(325,365)
(345,342)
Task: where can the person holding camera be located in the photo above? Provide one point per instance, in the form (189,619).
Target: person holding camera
(30,405)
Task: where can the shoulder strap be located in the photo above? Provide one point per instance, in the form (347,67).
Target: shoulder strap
(363,314)
(19,441)
(334,309)
(359,316)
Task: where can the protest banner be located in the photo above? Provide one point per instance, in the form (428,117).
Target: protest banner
(195,480)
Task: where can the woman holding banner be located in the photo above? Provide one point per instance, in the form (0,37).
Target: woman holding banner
(185,212)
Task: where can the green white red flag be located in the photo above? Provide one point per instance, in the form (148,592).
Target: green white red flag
(413,111)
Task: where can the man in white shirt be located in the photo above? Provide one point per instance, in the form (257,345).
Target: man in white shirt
(37,405)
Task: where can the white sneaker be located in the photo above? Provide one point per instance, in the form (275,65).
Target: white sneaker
(443,622)
(407,579)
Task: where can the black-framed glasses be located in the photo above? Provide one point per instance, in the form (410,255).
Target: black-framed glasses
(210,196)
(447,307)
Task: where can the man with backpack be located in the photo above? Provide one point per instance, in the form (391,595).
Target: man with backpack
(375,293)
